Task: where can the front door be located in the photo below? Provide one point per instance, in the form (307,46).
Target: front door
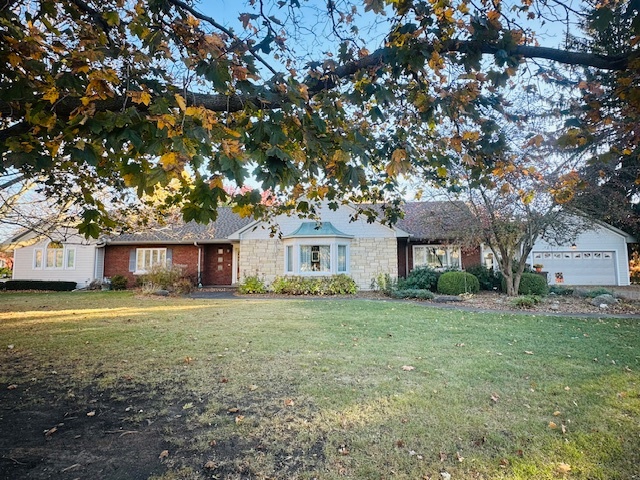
(218,263)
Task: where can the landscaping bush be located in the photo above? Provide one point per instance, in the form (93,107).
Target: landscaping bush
(560,290)
(119,282)
(421,278)
(596,292)
(5,272)
(413,293)
(56,286)
(252,284)
(456,283)
(296,285)
(526,301)
(488,278)
(533,284)
(384,283)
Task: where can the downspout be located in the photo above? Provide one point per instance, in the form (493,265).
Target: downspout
(199,263)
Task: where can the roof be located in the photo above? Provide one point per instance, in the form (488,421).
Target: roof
(317,229)
(435,220)
(224,225)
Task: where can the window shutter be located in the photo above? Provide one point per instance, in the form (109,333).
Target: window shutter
(132,260)
(169,257)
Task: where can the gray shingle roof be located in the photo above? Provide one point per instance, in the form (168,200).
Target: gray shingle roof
(436,220)
(180,232)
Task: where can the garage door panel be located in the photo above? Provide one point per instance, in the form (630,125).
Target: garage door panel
(579,268)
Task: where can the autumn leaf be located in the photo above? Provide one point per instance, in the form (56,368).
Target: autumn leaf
(164,454)
(408,368)
(51,431)
(233,410)
(556,413)
(239,418)
(91,413)
(288,402)
(553,425)
(253,387)
(563,468)
(210,465)
(528,352)
(495,397)
(343,450)
(13,386)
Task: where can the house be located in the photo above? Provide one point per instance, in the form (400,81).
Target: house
(232,248)
(61,255)
(597,256)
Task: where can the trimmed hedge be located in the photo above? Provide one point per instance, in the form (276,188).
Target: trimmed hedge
(56,286)
(533,284)
(489,280)
(334,285)
(456,283)
(420,294)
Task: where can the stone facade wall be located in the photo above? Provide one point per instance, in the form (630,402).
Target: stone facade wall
(369,257)
(264,258)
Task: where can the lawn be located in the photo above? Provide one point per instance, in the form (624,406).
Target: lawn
(114,386)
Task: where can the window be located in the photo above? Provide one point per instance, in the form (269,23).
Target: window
(315,258)
(289,258)
(147,258)
(342,258)
(70,263)
(37,258)
(438,257)
(55,255)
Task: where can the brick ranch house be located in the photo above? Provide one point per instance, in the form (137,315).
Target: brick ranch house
(231,248)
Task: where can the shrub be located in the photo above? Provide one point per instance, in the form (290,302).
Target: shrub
(526,301)
(383,283)
(422,278)
(456,283)
(5,272)
(598,291)
(183,286)
(487,277)
(56,286)
(296,285)
(252,284)
(560,290)
(342,285)
(119,282)
(162,278)
(413,293)
(533,284)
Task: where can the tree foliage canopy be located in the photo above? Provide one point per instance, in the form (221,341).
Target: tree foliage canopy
(113,95)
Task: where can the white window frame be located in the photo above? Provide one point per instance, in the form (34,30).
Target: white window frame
(37,266)
(57,252)
(293,250)
(449,252)
(67,253)
(145,269)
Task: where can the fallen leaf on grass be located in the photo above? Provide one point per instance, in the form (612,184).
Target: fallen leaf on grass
(528,352)
(187,406)
(188,360)
(504,462)
(10,347)
(289,402)
(459,457)
(552,425)
(253,387)
(460,345)
(164,454)
(564,428)
(12,387)
(443,456)
(239,418)
(567,388)
(343,450)
(51,431)
(224,380)
(210,465)
(563,468)
(233,410)
(556,413)
(408,368)
(495,397)
(91,413)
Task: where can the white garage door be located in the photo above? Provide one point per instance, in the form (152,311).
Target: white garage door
(578,267)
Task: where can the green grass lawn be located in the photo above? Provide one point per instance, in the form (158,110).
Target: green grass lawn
(342,388)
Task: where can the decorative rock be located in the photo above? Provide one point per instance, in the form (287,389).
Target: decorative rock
(604,299)
(447,298)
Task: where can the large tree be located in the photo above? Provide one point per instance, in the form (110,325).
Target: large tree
(116,94)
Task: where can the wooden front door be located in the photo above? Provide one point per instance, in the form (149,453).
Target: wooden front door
(218,261)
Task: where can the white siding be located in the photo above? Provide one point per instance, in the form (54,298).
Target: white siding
(338,218)
(82,273)
(610,268)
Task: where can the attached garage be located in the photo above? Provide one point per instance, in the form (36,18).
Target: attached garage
(597,256)
(578,267)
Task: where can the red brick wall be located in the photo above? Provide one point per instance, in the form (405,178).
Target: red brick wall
(116,260)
